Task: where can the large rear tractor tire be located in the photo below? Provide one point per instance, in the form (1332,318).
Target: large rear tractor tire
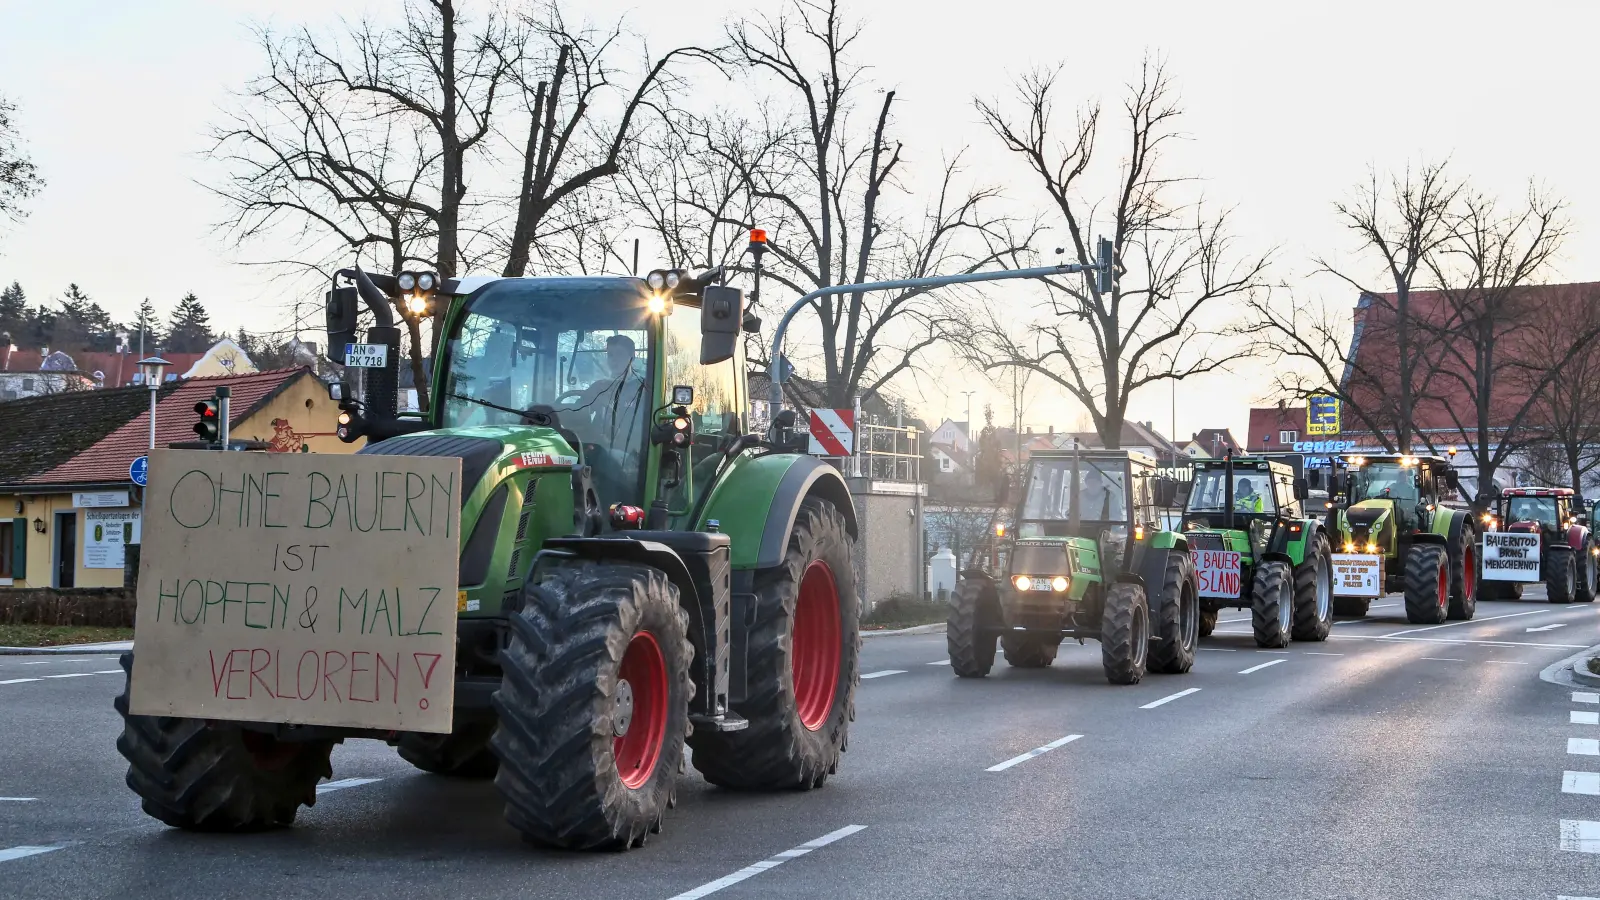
(803,669)
(193,776)
(1024,651)
(1124,634)
(1272,603)
(1177,618)
(1427,584)
(1587,566)
(1313,592)
(974,608)
(1208,621)
(594,706)
(1560,582)
(463,753)
(1464,581)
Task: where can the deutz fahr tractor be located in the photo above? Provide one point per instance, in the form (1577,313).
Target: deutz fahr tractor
(1088,560)
(1567,560)
(1283,571)
(1393,521)
(636,572)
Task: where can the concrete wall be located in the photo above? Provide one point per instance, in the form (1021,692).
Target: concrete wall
(889,552)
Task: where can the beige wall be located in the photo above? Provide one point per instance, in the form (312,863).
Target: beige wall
(41,547)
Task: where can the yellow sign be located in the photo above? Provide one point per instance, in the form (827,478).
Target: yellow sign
(1322,415)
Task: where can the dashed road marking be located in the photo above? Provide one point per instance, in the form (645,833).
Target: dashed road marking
(1584,717)
(11,853)
(1531,612)
(1321,653)
(1271,662)
(1580,783)
(1169,698)
(751,871)
(1504,662)
(1565,897)
(1583,746)
(72,675)
(1585,697)
(1221,649)
(17,680)
(1580,836)
(1441,659)
(1037,751)
(19,799)
(1399,640)
(343,783)
(880,674)
(107,672)
(942,662)
(1285,652)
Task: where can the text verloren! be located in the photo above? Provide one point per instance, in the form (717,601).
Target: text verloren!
(298,588)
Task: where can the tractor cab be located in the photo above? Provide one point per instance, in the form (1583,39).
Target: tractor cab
(1106,496)
(1548,511)
(1249,495)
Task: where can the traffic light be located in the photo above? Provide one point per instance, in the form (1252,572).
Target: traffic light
(210,425)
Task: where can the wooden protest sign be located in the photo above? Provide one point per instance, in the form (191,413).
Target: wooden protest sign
(311,589)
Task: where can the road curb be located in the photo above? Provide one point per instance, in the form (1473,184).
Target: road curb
(70,650)
(1571,671)
(936,628)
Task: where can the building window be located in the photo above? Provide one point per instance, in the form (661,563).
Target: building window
(8,547)
(1288,437)
(944,464)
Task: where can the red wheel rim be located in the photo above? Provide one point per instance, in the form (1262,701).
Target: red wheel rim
(642,708)
(1444,586)
(1470,576)
(815,649)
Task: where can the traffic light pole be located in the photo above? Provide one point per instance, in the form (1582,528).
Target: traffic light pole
(222,415)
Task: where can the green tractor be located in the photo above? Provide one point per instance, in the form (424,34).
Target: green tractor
(1087,560)
(636,572)
(1255,548)
(1394,526)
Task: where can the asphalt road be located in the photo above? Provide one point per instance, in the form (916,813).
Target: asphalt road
(1389,761)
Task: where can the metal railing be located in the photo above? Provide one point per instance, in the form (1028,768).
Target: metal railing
(887,453)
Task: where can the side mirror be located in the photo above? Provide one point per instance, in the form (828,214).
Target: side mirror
(1301,489)
(1339,483)
(336,388)
(721,320)
(1494,492)
(1452,478)
(340,314)
(752,323)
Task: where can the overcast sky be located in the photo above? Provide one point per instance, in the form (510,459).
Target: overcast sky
(1287,104)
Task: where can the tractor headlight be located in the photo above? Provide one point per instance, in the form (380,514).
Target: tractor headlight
(1058,583)
(407,281)
(1021,582)
(657,280)
(673,279)
(1372,547)
(417,304)
(427,281)
(657,304)
(1349,547)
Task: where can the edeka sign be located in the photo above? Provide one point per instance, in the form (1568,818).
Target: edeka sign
(1218,572)
(302,588)
(1510,557)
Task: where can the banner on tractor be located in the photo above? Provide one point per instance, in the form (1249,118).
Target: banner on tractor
(1218,571)
(299,588)
(1510,556)
(833,432)
(1358,575)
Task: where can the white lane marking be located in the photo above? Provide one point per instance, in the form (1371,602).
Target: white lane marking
(1037,751)
(1584,717)
(1273,651)
(18,799)
(343,783)
(17,680)
(1441,659)
(942,662)
(107,672)
(72,675)
(11,853)
(1321,653)
(1565,897)
(1399,640)
(1504,662)
(1547,627)
(1585,697)
(1579,836)
(883,673)
(42,662)
(1221,649)
(1583,746)
(1271,662)
(1531,612)
(750,871)
(1169,698)
(1580,783)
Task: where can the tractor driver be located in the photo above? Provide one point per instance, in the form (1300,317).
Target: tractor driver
(616,406)
(1101,502)
(1246,499)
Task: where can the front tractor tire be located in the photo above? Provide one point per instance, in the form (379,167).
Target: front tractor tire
(1464,575)
(1272,603)
(594,706)
(974,608)
(1208,621)
(1177,618)
(1027,651)
(1313,592)
(1124,634)
(804,648)
(1427,584)
(1561,581)
(193,776)
(463,753)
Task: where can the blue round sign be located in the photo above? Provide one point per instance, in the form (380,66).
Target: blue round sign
(139,470)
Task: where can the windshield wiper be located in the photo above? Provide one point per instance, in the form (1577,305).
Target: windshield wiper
(507,409)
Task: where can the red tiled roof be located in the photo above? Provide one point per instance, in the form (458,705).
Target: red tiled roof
(118,368)
(109,458)
(1267,421)
(1216,440)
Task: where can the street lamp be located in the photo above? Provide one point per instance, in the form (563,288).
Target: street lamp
(150,369)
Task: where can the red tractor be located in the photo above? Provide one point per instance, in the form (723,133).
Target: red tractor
(1568,551)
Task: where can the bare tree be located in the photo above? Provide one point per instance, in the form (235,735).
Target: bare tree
(1493,351)
(1177,258)
(1398,222)
(19,177)
(1566,420)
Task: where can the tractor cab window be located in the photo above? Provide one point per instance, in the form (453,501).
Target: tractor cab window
(1102,496)
(1385,481)
(1533,509)
(571,347)
(1284,487)
(715,412)
(1252,492)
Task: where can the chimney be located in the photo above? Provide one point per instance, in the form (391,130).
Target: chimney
(1281,404)
(1052,429)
